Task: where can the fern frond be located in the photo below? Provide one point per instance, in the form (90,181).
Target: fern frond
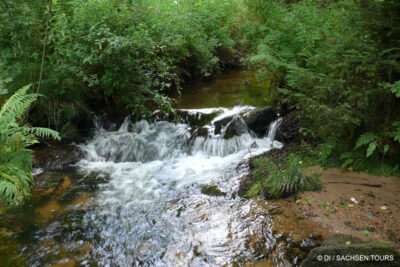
(371,148)
(15,159)
(365,139)
(42,132)
(17,104)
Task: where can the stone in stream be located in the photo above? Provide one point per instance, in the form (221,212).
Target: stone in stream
(336,251)
(308,244)
(192,118)
(200,132)
(236,127)
(212,190)
(259,120)
(56,157)
(221,123)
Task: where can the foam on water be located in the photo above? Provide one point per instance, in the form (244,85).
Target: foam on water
(151,212)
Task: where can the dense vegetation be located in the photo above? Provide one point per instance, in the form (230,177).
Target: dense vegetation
(126,54)
(336,63)
(15,137)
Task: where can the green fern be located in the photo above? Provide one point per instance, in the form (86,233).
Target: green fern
(371,148)
(395,134)
(365,139)
(15,159)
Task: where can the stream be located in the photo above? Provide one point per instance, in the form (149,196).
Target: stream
(134,199)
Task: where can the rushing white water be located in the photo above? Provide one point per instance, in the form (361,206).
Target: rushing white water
(152,213)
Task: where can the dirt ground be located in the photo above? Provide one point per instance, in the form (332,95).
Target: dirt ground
(353,203)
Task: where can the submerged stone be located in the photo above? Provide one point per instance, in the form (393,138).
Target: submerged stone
(212,190)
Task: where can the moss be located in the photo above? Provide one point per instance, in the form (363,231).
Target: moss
(335,249)
(212,190)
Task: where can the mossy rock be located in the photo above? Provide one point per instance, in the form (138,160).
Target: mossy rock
(212,190)
(335,252)
(196,119)
(193,119)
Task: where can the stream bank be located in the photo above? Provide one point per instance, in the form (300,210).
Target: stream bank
(162,192)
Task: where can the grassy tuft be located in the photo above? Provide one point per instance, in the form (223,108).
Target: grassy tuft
(277,180)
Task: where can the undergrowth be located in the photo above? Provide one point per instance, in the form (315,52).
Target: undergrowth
(281,178)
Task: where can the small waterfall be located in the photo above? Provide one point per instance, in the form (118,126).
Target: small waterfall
(273,128)
(151,211)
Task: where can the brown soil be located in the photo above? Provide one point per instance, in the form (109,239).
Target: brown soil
(376,214)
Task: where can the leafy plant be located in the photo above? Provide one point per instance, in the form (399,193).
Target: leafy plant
(274,181)
(127,55)
(336,63)
(15,137)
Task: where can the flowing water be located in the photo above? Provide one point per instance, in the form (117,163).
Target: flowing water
(135,200)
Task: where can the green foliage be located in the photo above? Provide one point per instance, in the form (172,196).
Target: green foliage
(338,63)
(285,179)
(15,137)
(128,54)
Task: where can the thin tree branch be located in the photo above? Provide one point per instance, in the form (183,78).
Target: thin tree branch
(44,46)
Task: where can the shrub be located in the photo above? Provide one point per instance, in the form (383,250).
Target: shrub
(337,63)
(125,54)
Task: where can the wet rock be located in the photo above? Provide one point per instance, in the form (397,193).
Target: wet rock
(236,127)
(212,190)
(56,157)
(245,184)
(48,179)
(200,132)
(221,123)
(336,250)
(260,119)
(315,235)
(308,244)
(193,119)
(288,131)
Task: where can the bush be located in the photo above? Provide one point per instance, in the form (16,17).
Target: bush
(281,180)
(336,62)
(125,54)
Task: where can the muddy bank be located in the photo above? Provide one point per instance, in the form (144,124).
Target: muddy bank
(356,204)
